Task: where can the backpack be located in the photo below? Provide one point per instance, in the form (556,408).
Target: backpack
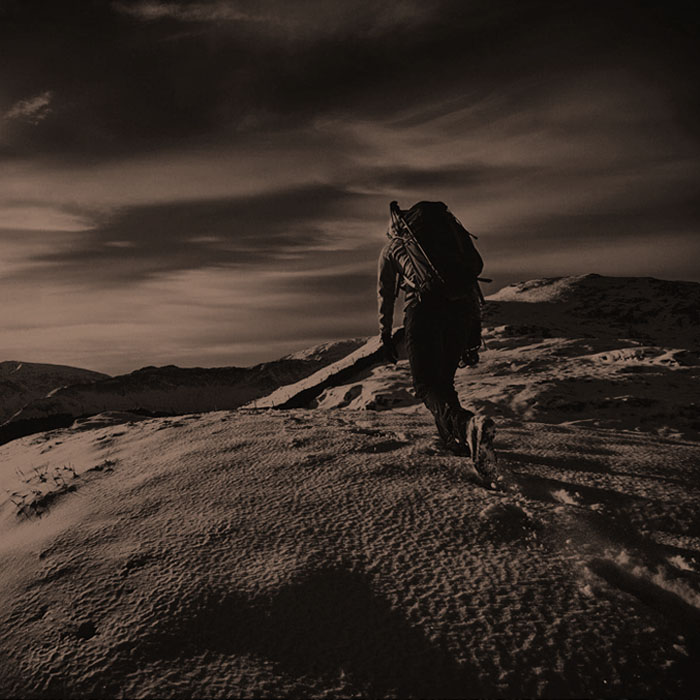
(437,251)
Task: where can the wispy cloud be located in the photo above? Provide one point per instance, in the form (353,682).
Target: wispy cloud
(214,316)
(185,12)
(302,19)
(233,160)
(33,109)
(281,228)
(40,216)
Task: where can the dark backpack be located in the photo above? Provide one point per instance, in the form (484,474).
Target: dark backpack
(438,252)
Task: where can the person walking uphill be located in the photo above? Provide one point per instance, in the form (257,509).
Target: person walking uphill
(430,255)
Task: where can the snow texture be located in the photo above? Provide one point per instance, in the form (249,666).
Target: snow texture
(339,551)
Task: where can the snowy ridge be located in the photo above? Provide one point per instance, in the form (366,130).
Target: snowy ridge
(302,392)
(659,312)
(23,382)
(600,351)
(158,390)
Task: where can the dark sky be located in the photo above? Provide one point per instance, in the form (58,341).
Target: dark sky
(207,183)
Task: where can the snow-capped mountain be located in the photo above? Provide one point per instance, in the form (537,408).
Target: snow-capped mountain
(162,390)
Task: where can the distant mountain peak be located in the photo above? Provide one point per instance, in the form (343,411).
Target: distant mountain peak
(23,382)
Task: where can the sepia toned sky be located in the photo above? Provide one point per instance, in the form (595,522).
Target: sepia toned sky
(207,183)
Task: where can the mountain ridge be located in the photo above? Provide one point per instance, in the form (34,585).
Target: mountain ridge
(23,382)
(166,390)
(651,327)
(593,350)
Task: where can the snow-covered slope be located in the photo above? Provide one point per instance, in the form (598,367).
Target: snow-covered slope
(365,355)
(167,390)
(620,352)
(656,312)
(342,554)
(22,382)
(327,353)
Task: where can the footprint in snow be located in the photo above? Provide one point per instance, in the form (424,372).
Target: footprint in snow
(383,446)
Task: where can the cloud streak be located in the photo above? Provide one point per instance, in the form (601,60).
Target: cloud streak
(299,21)
(191,12)
(266,230)
(33,109)
(228,165)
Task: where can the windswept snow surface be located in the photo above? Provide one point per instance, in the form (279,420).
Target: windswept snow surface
(657,311)
(312,553)
(589,350)
(336,550)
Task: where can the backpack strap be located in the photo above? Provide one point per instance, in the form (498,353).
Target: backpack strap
(408,281)
(398,219)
